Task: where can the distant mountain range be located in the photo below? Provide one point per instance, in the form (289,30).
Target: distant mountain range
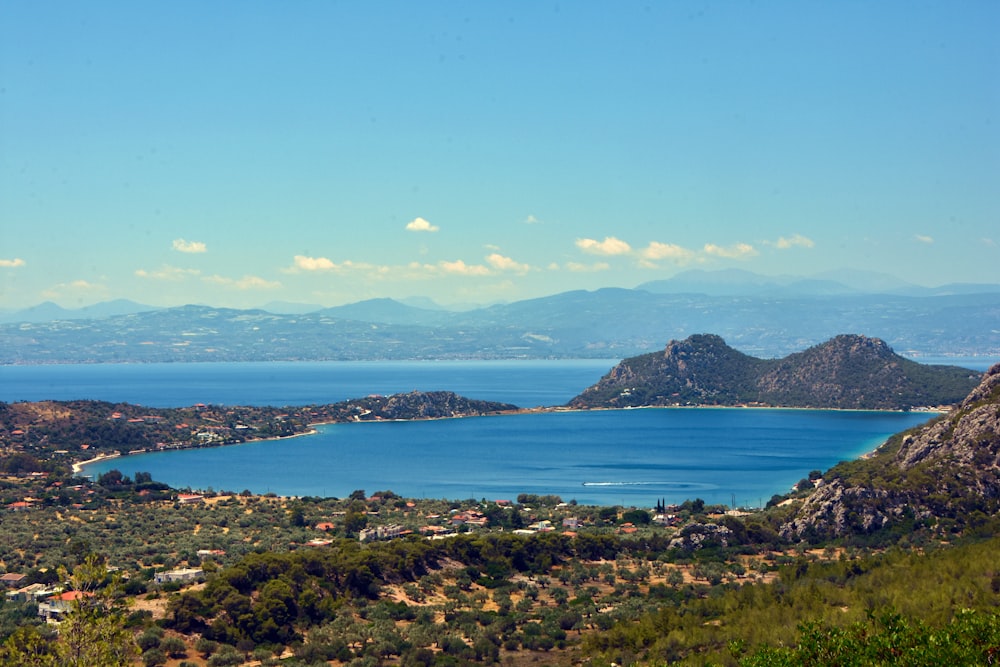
(759,315)
(846,372)
(736,282)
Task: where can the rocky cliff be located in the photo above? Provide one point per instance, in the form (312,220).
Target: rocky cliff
(944,475)
(849,372)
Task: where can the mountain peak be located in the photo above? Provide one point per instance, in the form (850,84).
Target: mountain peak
(848,371)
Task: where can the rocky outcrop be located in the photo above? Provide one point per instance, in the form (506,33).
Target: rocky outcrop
(431,405)
(944,474)
(702,535)
(848,372)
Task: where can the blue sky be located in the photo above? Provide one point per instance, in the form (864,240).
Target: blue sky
(237,153)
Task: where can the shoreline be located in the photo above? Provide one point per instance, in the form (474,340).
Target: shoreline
(78,467)
(277,453)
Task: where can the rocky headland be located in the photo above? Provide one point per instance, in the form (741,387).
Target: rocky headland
(846,372)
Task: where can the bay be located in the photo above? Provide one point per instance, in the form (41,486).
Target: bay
(607,457)
(629,457)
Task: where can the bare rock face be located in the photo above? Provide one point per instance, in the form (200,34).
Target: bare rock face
(700,535)
(947,471)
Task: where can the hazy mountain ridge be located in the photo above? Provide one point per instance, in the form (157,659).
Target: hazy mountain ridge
(610,322)
(846,372)
(944,475)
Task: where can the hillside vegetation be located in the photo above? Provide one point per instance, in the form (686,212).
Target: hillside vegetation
(945,475)
(846,372)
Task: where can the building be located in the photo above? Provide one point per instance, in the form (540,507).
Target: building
(380,533)
(12,579)
(31,592)
(182,576)
(55,608)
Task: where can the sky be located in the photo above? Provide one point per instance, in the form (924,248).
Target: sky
(241,153)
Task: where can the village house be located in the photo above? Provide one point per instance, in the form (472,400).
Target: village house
(319,543)
(190,498)
(183,576)
(543,526)
(207,553)
(54,608)
(381,533)
(12,579)
(471,518)
(30,593)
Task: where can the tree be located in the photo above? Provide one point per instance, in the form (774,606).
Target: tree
(28,646)
(154,657)
(93,633)
(174,647)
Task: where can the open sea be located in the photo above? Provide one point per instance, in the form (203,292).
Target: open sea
(627,457)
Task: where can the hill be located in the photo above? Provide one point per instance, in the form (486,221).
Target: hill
(945,475)
(846,372)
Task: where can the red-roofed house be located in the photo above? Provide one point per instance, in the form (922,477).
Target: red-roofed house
(55,607)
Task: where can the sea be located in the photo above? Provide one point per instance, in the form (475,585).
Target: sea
(731,456)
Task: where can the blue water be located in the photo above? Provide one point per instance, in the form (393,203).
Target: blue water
(629,457)
(523,383)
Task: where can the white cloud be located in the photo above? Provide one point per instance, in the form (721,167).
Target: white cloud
(501,263)
(532,220)
(74,288)
(12,263)
(303,263)
(461,268)
(244,283)
(421,225)
(656,251)
(924,239)
(794,240)
(180,245)
(587,268)
(167,272)
(609,246)
(735,251)
(416,270)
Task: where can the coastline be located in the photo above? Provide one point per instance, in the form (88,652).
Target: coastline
(78,466)
(473,461)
